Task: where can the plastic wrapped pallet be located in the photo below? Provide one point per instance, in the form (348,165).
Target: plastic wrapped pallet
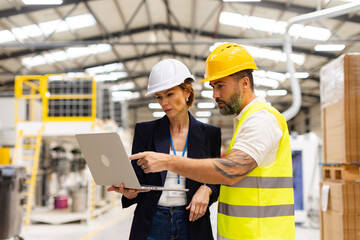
(340,103)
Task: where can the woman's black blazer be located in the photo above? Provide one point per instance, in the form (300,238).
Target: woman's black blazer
(204,142)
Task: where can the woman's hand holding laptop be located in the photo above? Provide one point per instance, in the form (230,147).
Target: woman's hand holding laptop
(129,193)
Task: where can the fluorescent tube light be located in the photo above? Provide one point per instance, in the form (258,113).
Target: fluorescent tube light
(81,21)
(203,113)
(309,32)
(123,86)
(105,68)
(272,26)
(75,22)
(158,114)
(299,75)
(260,93)
(154,106)
(33,61)
(207,93)
(329,47)
(75,52)
(124,95)
(71,53)
(6,36)
(277,92)
(47,28)
(241,0)
(276,75)
(42,2)
(266,82)
(110,77)
(302,75)
(205,105)
(316,33)
(113,67)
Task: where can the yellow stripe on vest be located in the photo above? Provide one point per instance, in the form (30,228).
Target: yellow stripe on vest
(251,196)
(243,225)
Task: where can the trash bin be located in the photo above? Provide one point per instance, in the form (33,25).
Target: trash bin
(78,200)
(12,187)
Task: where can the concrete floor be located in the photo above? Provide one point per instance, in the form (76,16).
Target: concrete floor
(115,224)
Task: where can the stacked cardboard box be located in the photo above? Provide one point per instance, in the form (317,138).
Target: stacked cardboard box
(340,102)
(341,219)
(340,106)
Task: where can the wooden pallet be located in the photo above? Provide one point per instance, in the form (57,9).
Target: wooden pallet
(341,172)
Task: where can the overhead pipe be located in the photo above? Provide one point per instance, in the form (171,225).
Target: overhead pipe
(295,86)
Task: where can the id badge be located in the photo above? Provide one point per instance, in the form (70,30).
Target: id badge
(176,194)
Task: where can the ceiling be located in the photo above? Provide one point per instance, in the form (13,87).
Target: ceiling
(139,33)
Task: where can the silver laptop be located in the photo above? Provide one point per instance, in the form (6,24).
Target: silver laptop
(109,163)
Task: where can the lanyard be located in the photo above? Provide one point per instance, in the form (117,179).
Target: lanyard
(172,145)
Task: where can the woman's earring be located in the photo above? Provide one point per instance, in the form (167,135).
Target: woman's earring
(187,99)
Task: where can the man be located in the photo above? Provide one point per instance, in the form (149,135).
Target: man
(256,198)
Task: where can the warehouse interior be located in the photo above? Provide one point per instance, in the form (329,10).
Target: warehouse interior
(76,66)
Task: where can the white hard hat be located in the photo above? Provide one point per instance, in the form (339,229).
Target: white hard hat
(166,74)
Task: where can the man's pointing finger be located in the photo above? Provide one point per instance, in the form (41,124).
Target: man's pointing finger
(136,156)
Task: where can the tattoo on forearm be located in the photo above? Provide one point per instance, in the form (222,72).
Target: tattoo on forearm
(237,164)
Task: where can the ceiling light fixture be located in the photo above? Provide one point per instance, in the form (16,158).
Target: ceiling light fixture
(105,68)
(329,48)
(207,93)
(42,2)
(266,82)
(272,26)
(203,114)
(158,114)
(277,92)
(154,106)
(124,95)
(298,75)
(6,36)
(205,105)
(260,93)
(241,0)
(123,86)
(110,77)
(70,53)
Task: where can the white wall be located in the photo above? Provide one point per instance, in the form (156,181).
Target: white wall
(7,120)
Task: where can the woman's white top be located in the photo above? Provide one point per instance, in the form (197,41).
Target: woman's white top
(173,198)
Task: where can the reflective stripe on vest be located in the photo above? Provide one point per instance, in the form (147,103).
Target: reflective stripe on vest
(265,182)
(256,211)
(261,205)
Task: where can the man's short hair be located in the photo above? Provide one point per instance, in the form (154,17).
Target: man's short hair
(245,73)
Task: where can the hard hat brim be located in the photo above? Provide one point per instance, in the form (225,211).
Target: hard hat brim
(166,87)
(225,74)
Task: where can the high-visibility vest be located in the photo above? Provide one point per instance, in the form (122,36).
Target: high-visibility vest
(261,205)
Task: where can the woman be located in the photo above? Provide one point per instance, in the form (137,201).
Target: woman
(172,214)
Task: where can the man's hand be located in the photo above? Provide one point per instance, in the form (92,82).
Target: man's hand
(199,203)
(151,161)
(129,193)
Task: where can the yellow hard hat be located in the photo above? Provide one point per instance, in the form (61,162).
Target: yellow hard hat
(227,59)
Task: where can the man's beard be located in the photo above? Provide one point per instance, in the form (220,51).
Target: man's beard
(233,106)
